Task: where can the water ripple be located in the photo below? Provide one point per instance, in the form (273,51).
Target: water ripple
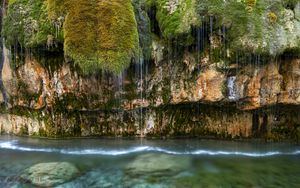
(13,145)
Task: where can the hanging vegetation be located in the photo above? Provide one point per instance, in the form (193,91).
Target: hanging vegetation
(175,17)
(98,34)
(26,24)
(101,34)
(256,26)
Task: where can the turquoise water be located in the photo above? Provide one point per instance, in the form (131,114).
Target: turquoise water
(154,163)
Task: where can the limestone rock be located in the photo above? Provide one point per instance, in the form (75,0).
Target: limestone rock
(31,74)
(8,78)
(269,84)
(290,93)
(19,125)
(64,81)
(210,84)
(50,174)
(230,126)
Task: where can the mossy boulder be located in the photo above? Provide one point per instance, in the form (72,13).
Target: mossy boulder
(50,174)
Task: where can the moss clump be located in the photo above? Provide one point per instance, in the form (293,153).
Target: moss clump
(251,28)
(56,9)
(175,17)
(272,17)
(27,24)
(98,34)
(250,4)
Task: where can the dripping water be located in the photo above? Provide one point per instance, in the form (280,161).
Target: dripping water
(120,87)
(232,90)
(3,56)
(141,92)
(139,75)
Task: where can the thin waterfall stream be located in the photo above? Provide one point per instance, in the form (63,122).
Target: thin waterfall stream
(3,56)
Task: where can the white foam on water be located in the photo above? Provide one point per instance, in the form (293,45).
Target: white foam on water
(12,145)
(105,152)
(248,154)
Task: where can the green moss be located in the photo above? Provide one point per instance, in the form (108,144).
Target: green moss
(98,34)
(254,26)
(56,9)
(27,24)
(175,17)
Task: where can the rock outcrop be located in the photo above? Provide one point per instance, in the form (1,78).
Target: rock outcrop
(64,103)
(203,77)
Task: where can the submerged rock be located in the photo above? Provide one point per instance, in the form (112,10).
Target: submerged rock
(50,174)
(157,164)
(96,178)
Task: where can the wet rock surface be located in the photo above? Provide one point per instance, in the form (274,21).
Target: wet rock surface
(209,102)
(255,86)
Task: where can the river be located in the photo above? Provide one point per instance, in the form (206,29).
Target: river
(153,162)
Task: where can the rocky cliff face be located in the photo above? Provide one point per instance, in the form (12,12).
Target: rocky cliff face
(184,98)
(205,88)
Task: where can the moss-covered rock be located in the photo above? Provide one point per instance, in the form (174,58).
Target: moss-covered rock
(27,24)
(98,34)
(107,35)
(50,174)
(258,27)
(176,17)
